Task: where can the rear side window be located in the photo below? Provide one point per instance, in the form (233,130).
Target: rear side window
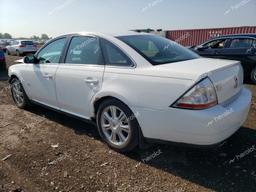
(84,50)
(241,43)
(27,43)
(114,56)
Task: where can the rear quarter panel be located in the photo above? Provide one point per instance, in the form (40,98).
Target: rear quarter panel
(143,91)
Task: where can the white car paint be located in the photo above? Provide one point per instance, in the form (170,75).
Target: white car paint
(147,90)
(17,46)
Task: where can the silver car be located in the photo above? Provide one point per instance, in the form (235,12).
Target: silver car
(21,47)
(3,44)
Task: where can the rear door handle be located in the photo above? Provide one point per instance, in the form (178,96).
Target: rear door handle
(48,76)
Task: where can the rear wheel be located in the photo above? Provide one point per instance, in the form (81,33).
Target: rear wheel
(253,76)
(18,94)
(117,125)
(18,53)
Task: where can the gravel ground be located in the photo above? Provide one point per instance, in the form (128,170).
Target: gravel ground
(41,151)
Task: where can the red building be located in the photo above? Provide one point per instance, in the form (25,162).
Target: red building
(192,37)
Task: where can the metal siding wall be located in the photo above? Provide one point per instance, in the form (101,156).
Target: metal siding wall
(198,36)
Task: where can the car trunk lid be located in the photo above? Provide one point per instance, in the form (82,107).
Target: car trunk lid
(226,75)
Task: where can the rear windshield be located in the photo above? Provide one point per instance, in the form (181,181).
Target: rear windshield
(158,50)
(27,43)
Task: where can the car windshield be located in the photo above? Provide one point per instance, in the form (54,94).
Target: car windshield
(158,50)
(27,43)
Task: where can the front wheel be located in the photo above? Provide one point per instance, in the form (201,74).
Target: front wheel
(18,94)
(253,76)
(118,126)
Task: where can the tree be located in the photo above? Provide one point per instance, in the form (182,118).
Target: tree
(7,36)
(34,37)
(44,37)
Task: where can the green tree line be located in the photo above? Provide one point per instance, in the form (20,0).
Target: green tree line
(34,37)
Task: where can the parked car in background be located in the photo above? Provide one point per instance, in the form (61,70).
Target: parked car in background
(21,47)
(3,44)
(2,60)
(136,87)
(234,47)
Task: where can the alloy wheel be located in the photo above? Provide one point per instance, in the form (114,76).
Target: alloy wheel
(115,126)
(17,92)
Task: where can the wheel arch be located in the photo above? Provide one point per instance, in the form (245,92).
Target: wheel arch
(12,77)
(15,75)
(99,99)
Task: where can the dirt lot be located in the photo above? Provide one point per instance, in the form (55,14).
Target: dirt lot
(41,151)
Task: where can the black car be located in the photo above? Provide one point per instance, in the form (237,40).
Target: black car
(234,47)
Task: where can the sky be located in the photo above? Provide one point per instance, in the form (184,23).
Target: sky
(54,17)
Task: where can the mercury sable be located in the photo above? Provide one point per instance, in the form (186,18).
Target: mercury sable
(135,87)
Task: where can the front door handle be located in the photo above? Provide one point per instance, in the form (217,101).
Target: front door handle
(91,81)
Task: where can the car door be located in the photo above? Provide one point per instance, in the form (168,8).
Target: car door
(241,49)
(79,76)
(40,77)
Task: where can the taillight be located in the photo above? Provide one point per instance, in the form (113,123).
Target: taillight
(21,45)
(201,96)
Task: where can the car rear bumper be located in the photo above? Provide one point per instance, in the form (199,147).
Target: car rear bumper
(27,50)
(196,127)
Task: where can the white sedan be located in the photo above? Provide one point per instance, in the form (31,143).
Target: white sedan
(136,87)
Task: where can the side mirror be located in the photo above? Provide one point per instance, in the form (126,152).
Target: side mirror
(202,48)
(30,59)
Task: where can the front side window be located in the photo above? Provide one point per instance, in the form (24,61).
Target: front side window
(158,50)
(84,50)
(241,43)
(217,44)
(114,56)
(52,52)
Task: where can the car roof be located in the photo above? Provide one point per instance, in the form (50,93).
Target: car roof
(252,35)
(119,34)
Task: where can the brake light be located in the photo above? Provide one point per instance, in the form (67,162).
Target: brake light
(201,96)
(21,45)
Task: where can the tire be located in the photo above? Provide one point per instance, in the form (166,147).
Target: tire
(125,133)
(253,76)
(18,53)
(19,95)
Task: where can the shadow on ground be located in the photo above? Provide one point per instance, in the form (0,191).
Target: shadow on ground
(232,167)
